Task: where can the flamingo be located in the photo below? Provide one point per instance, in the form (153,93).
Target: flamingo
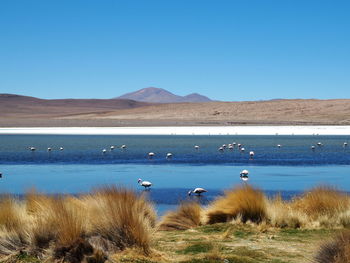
(197,191)
(244,175)
(169,155)
(145,184)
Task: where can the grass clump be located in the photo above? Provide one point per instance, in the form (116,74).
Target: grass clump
(335,251)
(321,201)
(244,202)
(120,219)
(76,229)
(187,216)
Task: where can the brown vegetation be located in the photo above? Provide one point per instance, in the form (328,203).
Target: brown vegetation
(244,202)
(335,251)
(322,200)
(75,229)
(113,223)
(187,216)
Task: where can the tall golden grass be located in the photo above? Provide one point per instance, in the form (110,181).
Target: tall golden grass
(336,250)
(321,201)
(244,202)
(121,218)
(76,229)
(91,227)
(322,206)
(188,215)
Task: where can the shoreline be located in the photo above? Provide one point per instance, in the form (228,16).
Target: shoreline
(181,130)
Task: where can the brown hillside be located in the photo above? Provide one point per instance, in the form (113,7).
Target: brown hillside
(252,112)
(24,111)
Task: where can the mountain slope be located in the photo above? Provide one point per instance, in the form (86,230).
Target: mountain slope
(24,106)
(157,95)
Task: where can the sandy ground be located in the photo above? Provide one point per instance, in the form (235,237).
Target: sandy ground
(32,112)
(189,130)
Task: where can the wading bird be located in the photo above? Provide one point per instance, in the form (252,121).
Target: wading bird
(244,175)
(196,147)
(151,154)
(145,184)
(112,148)
(104,151)
(61,148)
(32,149)
(169,155)
(49,149)
(197,191)
(123,146)
(251,154)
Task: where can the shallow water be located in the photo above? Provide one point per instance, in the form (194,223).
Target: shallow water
(81,166)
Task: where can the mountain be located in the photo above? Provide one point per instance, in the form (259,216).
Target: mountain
(195,97)
(156,95)
(25,106)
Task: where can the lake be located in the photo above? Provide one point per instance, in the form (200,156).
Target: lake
(82,165)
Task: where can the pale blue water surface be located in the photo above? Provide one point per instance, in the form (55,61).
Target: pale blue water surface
(82,166)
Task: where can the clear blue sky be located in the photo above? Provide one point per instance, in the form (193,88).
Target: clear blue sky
(227,50)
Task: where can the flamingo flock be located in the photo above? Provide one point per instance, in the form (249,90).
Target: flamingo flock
(198,191)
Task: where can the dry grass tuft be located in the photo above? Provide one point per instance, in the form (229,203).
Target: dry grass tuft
(121,218)
(321,201)
(13,226)
(245,202)
(281,215)
(70,229)
(188,215)
(335,251)
(11,214)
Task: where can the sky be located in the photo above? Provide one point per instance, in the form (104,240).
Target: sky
(225,49)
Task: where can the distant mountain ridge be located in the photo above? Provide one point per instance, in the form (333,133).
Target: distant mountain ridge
(157,95)
(13,105)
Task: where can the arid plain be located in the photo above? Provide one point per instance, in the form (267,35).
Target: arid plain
(22,111)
